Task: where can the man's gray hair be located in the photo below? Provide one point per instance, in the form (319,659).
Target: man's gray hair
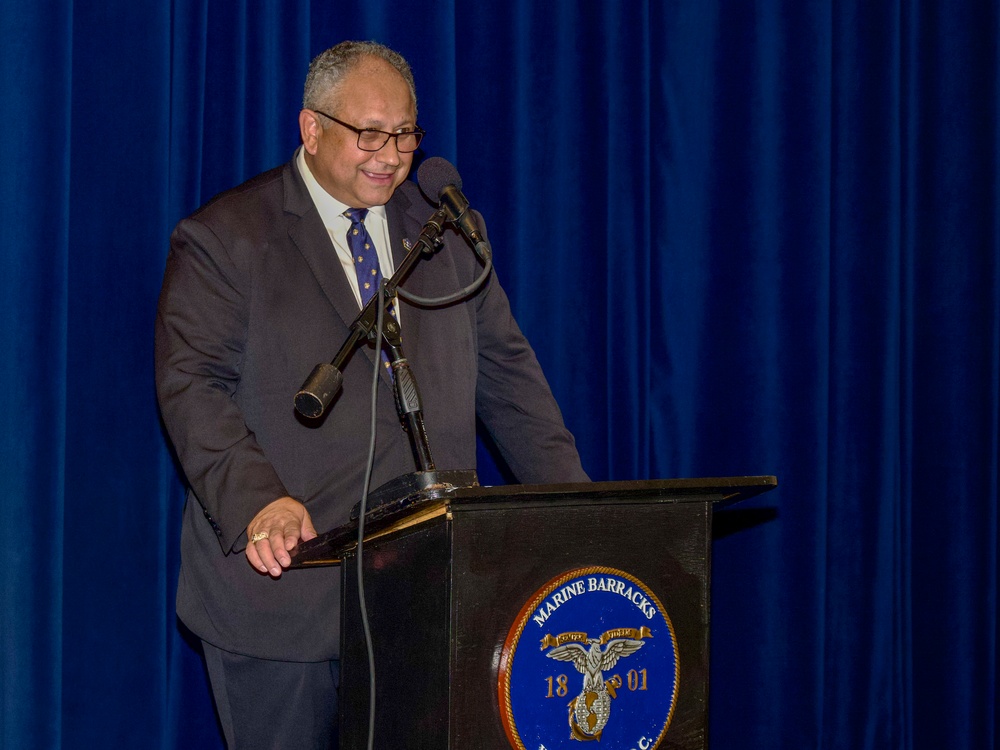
(328,69)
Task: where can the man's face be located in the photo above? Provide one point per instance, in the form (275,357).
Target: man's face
(372,95)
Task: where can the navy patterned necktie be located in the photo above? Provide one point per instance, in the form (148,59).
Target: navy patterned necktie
(364,254)
(365,263)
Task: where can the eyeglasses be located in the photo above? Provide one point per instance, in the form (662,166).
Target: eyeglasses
(370,139)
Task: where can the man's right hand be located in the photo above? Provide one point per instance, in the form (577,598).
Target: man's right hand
(278,528)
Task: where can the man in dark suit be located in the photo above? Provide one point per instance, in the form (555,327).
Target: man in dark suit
(260,285)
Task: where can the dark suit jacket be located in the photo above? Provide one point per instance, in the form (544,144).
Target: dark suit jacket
(253,298)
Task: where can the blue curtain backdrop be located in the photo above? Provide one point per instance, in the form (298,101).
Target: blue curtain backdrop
(744,237)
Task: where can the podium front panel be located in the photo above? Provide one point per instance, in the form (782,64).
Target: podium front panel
(448,581)
(501,556)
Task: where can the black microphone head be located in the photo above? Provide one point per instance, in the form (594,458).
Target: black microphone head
(435,175)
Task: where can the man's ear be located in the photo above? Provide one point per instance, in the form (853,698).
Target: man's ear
(309,129)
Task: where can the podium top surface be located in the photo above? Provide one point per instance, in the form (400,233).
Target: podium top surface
(405,503)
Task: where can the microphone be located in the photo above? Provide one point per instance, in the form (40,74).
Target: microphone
(439,181)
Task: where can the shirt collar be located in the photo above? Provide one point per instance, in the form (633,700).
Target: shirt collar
(331,211)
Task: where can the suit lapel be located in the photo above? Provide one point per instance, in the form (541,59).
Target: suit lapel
(402,225)
(306,230)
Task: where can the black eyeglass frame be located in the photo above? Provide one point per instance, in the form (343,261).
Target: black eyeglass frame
(418,131)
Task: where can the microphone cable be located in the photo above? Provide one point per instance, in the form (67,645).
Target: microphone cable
(366,628)
(461,294)
(483,252)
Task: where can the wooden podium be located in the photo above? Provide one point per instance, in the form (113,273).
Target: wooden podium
(448,571)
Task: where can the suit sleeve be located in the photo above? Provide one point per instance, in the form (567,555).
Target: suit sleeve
(199,347)
(514,401)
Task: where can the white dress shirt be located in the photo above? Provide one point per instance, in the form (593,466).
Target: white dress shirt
(331,211)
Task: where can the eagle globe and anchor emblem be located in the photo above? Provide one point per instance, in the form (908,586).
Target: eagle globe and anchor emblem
(628,712)
(591,709)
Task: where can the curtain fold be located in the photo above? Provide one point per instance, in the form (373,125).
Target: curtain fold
(34,237)
(743,239)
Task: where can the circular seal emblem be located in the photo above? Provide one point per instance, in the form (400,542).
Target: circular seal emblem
(591,656)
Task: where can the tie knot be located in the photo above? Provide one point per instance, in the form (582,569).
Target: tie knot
(356,215)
